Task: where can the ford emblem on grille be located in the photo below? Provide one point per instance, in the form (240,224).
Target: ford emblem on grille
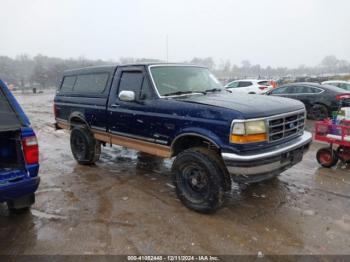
(286,126)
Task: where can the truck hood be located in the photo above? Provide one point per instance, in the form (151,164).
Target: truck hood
(250,106)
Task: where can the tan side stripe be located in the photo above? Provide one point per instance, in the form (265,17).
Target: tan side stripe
(143,146)
(102,136)
(63,125)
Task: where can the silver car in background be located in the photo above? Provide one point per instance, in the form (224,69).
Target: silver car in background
(338,83)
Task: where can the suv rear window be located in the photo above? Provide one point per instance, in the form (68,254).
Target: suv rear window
(87,83)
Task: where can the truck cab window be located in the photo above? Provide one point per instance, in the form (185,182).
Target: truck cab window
(146,90)
(131,81)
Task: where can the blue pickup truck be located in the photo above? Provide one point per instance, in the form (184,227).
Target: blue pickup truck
(182,112)
(19,154)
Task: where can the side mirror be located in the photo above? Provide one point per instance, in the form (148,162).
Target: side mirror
(127,96)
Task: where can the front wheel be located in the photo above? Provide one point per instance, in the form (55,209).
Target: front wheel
(199,180)
(327,157)
(85,148)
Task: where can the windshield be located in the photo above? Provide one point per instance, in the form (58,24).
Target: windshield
(177,80)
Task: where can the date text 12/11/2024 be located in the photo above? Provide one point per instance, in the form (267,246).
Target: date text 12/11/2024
(173,258)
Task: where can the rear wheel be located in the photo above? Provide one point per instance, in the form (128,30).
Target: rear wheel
(318,112)
(199,180)
(85,148)
(327,157)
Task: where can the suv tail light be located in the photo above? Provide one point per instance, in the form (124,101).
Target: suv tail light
(263,87)
(30,150)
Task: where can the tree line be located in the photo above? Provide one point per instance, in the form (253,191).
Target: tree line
(24,71)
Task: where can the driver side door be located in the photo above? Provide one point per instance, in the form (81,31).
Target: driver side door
(127,118)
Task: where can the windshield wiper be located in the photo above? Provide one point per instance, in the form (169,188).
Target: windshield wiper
(193,92)
(179,93)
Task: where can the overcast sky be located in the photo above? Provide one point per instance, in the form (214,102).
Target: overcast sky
(268,32)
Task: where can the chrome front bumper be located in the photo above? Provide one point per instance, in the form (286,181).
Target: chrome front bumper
(269,163)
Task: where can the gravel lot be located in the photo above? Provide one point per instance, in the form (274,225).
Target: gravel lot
(124,206)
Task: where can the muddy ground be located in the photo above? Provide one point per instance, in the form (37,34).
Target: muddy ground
(121,207)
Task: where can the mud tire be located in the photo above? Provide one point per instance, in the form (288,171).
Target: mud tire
(199,180)
(85,148)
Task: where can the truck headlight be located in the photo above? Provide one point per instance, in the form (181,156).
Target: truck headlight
(248,132)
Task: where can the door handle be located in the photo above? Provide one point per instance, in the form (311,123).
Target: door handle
(115,105)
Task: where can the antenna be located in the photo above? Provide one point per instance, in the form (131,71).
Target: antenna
(167,49)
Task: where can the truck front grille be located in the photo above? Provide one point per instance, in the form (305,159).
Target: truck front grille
(286,126)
